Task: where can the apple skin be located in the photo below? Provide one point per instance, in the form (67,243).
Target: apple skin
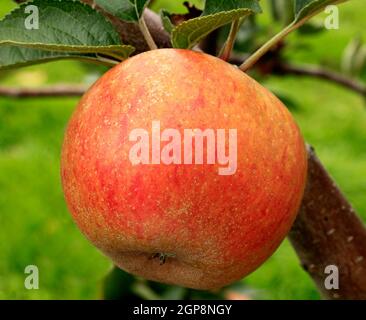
(215,229)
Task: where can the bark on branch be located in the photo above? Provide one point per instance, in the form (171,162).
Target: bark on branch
(55,91)
(130,33)
(274,65)
(316,71)
(327,232)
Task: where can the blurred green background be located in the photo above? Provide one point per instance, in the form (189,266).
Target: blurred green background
(36,228)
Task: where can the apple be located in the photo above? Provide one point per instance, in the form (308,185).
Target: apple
(182,169)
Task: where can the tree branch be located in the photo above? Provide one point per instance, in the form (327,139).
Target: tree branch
(274,65)
(130,33)
(319,72)
(55,91)
(326,232)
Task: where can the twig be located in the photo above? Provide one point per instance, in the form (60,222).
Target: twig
(284,68)
(327,232)
(250,62)
(55,91)
(131,34)
(146,33)
(229,44)
(319,72)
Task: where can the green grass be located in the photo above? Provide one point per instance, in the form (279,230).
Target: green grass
(36,228)
(35,225)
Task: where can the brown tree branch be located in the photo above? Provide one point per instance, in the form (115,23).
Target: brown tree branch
(130,33)
(327,232)
(322,73)
(274,65)
(55,91)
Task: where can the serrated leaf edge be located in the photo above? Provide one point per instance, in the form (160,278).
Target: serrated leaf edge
(296,20)
(176,30)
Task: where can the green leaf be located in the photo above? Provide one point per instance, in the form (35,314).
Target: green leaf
(305,9)
(216,14)
(170,20)
(123,9)
(165,19)
(140,6)
(282,10)
(217,6)
(64,26)
(16,57)
(127,10)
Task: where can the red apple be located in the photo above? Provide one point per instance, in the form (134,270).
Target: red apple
(196,222)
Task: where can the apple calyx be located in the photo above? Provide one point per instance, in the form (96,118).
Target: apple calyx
(162,256)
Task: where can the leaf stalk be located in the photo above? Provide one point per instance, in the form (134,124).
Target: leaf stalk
(147,35)
(229,44)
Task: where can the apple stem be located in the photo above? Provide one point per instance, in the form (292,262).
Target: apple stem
(229,44)
(147,35)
